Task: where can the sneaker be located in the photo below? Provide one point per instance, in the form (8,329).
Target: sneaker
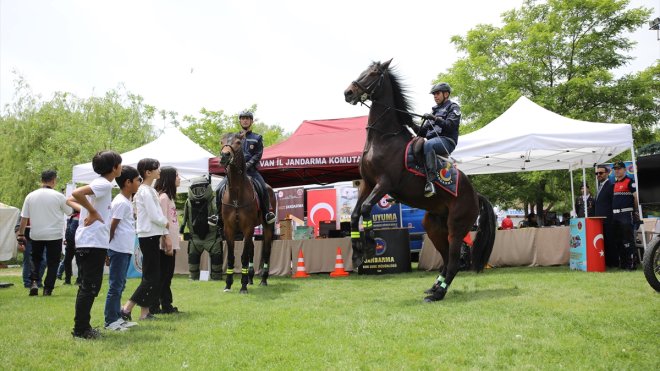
(213,220)
(116,326)
(270,217)
(128,324)
(126,316)
(90,334)
(149,317)
(34,289)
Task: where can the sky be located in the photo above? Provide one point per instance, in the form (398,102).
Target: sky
(294,59)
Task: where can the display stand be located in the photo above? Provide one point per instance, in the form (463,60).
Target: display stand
(586,245)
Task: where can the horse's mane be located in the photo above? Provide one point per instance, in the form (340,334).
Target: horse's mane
(401,98)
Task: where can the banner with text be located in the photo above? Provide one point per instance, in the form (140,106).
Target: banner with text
(386,214)
(291,202)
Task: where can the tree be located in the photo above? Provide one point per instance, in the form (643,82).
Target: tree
(62,132)
(212,125)
(561,54)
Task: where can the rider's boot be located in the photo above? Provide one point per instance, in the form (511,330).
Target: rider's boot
(269,216)
(431,171)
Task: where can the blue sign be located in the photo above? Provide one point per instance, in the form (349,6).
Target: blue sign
(577,246)
(386,214)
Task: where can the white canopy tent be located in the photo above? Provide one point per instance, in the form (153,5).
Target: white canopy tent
(528,137)
(172,148)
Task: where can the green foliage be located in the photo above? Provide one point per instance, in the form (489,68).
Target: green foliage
(212,125)
(509,318)
(62,132)
(561,54)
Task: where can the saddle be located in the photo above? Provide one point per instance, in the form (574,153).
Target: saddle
(447,176)
(257,188)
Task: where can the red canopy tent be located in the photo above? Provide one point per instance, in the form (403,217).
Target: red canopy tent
(318,152)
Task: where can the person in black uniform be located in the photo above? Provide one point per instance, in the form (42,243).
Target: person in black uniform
(603,208)
(253,149)
(440,129)
(624,201)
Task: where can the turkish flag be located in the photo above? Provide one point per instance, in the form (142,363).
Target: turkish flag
(321,206)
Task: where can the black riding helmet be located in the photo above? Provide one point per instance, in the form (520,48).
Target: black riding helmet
(246,113)
(443,86)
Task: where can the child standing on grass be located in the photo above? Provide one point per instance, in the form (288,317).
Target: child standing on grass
(166,187)
(122,242)
(93,236)
(151,226)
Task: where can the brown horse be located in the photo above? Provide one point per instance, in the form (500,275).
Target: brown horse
(241,212)
(448,218)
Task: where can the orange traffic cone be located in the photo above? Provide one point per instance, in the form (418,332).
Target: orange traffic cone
(300,269)
(339,266)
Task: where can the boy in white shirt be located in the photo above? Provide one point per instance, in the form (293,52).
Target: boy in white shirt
(120,250)
(93,236)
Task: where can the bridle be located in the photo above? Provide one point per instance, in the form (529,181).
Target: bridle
(367,94)
(235,203)
(367,91)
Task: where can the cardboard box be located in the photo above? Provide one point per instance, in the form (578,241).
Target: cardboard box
(286,229)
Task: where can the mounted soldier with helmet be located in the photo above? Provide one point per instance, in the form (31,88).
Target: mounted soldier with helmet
(440,129)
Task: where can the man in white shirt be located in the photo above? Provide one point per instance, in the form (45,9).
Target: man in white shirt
(46,209)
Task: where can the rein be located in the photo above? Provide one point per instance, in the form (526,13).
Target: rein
(235,203)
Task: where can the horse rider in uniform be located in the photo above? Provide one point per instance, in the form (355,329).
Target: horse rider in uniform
(440,129)
(253,149)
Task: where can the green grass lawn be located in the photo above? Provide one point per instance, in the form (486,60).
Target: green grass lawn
(507,318)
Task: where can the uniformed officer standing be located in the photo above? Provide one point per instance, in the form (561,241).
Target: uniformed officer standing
(441,132)
(624,200)
(604,209)
(253,149)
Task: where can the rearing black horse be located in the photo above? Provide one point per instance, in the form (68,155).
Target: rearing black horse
(448,218)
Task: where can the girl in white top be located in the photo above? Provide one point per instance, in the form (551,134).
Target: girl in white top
(151,225)
(166,187)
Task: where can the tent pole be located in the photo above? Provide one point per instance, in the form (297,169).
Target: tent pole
(639,205)
(584,191)
(570,171)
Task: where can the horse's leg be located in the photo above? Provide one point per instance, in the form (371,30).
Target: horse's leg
(231,258)
(367,225)
(248,253)
(267,245)
(436,229)
(356,240)
(459,223)
(251,268)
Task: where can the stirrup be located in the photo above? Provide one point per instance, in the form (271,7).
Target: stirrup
(270,217)
(213,220)
(429,189)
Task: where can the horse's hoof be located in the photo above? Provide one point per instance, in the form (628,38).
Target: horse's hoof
(437,295)
(431,290)
(227,289)
(243,291)
(263,283)
(250,282)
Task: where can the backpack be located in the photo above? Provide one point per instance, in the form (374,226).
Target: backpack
(199,207)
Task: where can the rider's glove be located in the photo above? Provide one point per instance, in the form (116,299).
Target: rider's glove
(429,117)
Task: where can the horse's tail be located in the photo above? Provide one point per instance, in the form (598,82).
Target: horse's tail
(485,239)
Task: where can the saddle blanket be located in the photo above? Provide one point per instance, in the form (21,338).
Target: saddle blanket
(446,177)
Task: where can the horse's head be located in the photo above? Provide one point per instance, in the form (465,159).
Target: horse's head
(231,148)
(367,84)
